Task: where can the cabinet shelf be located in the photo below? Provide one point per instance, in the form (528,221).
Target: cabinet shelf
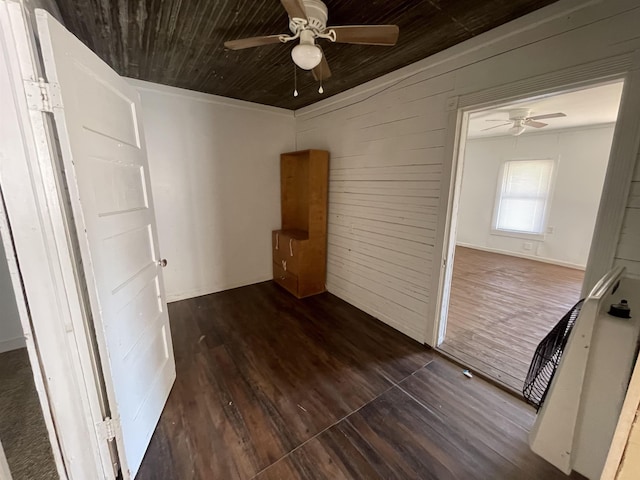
(295,234)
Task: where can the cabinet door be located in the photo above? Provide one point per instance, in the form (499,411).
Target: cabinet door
(285,279)
(287,251)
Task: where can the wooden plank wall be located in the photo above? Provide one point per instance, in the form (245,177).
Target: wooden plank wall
(384,189)
(388,161)
(628,253)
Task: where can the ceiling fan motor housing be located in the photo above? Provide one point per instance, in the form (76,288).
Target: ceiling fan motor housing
(519,114)
(317,15)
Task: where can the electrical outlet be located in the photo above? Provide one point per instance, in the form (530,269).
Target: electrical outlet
(527,245)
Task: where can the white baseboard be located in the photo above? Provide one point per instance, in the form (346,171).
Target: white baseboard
(393,323)
(12,344)
(176,297)
(523,255)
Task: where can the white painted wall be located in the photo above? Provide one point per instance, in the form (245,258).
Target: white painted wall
(387,140)
(215,175)
(582,156)
(11,336)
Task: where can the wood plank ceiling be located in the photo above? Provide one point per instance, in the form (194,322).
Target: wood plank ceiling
(180,42)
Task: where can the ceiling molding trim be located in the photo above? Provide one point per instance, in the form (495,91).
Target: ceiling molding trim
(561,13)
(206,97)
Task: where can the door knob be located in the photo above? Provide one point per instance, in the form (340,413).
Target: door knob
(163,262)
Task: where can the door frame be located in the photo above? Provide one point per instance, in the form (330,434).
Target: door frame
(44,269)
(618,177)
(32,351)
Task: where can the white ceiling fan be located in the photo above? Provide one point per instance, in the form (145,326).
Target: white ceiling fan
(520,119)
(308,22)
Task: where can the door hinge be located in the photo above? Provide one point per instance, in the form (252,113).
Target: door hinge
(42,96)
(107,428)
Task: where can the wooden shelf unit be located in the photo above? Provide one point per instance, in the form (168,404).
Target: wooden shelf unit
(300,246)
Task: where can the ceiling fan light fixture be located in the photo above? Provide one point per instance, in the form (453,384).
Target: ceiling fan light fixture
(306,56)
(517,129)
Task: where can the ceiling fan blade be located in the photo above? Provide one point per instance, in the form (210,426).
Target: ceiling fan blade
(497,126)
(252,42)
(386,35)
(295,8)
(493,120)
(534,124)
(322,71)
(548,115)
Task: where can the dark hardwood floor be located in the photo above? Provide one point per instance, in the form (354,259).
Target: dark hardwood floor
(271,387)
(501,307)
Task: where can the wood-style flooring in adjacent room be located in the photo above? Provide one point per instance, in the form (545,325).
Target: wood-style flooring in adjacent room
(501,307)
(270,387)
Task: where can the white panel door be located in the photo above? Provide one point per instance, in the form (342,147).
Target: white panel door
(97,118)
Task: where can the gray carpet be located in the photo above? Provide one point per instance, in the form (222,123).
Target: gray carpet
(22,430)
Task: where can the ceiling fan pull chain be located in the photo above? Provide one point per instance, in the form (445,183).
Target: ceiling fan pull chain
(295,81)
(321,90)
(308,23)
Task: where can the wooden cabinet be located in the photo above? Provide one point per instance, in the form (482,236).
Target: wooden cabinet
(300,247)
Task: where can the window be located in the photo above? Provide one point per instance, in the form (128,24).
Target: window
(523,196)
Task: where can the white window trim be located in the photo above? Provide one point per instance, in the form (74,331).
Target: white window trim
(515,234)
(547,206)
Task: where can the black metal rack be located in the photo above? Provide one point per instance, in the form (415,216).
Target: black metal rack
(547,358)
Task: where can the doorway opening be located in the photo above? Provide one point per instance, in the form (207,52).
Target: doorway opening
(527,196)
